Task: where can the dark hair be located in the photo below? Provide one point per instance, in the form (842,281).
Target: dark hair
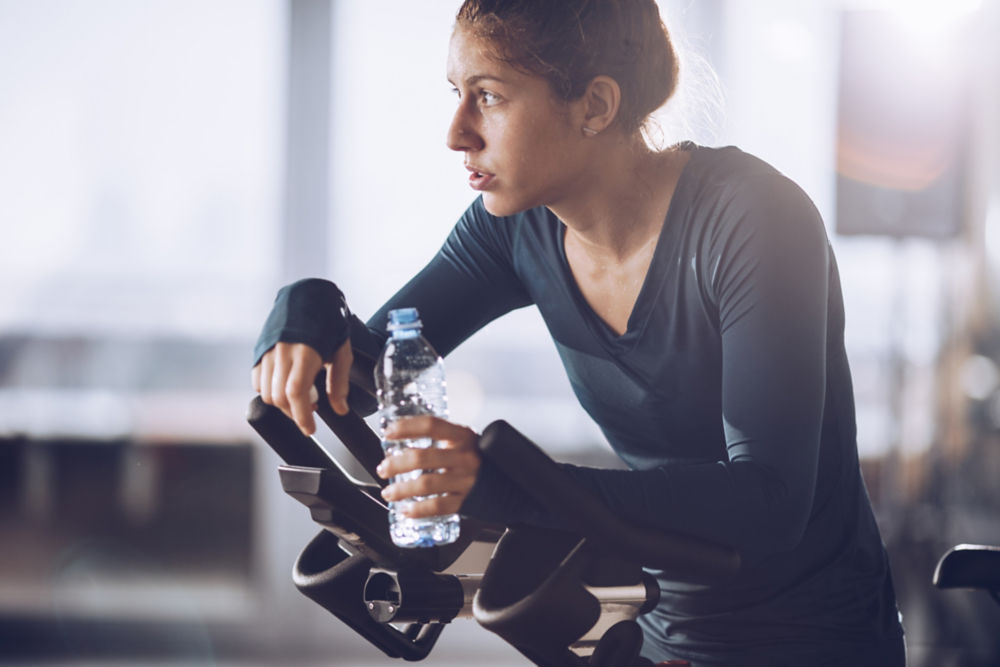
(569,42)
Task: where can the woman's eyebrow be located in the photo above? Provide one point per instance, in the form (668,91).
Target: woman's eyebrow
(477,78)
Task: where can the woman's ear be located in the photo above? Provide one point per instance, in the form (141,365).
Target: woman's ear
(601,102)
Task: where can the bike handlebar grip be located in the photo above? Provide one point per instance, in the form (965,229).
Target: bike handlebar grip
(284,437)
(681,556)
(969,566)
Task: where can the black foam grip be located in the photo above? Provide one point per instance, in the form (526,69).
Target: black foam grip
(680,556)
(288,442)
(969,566)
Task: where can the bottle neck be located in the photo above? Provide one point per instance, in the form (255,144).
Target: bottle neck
(405,334)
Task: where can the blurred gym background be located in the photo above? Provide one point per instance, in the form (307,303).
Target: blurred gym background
(166,165)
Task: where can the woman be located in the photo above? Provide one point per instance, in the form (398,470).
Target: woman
(694,300)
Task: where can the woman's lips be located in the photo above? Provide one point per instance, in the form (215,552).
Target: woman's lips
(480,180)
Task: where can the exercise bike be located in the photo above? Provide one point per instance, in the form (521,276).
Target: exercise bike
(567,598)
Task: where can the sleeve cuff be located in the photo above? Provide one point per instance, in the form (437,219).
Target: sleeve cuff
(311,311)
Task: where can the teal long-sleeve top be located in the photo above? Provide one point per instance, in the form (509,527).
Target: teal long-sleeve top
(729,397)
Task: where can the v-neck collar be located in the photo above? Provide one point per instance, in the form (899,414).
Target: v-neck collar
(652,284)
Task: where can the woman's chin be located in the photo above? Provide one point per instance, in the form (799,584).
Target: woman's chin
(500,206)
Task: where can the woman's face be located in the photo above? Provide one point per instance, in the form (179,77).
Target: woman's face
(520,145)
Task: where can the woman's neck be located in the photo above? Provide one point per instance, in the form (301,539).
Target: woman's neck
(620,205)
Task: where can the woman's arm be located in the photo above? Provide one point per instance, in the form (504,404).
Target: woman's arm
(470,282)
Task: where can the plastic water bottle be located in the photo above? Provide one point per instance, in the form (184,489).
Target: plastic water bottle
(410,381)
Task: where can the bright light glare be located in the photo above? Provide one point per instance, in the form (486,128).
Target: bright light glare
(935,7)
(791,41)
(923,17)
(932,29)
(926,18)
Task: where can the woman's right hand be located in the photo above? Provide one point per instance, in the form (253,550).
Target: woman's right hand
(284,378)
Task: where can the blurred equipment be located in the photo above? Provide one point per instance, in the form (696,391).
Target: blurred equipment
(902,120)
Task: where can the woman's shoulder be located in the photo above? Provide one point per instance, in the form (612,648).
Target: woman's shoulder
(728,165)
(732,180)
(733,199)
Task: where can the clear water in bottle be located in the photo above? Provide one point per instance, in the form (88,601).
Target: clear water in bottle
(410,380)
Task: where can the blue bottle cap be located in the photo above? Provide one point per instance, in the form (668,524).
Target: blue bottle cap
(404,318)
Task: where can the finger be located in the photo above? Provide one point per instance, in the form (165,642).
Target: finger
(301,404)
(281,367)
(432,458)
(445,432)
(338,374)
(429,484)
(266,371)
(255,378)
(300,389)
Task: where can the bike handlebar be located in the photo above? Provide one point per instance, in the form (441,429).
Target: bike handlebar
(681,556)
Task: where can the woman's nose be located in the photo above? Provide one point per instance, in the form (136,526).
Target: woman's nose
(462,135)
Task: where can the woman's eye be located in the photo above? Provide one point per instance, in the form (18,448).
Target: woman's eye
(485,97)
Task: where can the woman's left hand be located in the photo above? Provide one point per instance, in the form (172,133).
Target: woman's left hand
(452,466)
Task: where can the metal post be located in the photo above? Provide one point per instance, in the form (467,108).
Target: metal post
(307,153)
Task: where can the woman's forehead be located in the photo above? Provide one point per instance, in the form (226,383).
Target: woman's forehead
(471,56)
(468,50)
